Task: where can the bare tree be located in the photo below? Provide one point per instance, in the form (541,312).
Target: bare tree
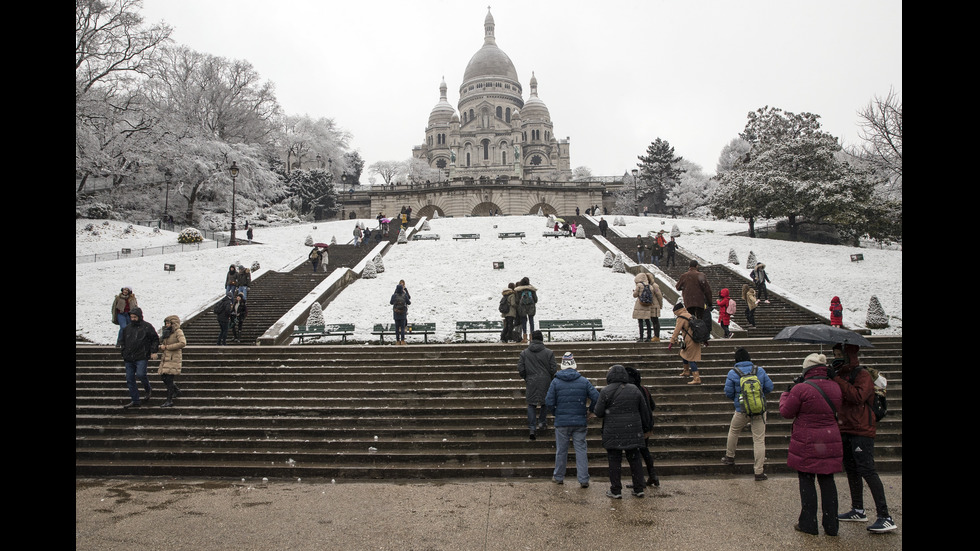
(881,129)
(386,169)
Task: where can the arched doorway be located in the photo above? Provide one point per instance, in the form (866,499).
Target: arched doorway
(485,208)
(543,207)
(428,211)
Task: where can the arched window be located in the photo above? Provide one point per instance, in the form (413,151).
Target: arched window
(503,157)
(500,112)
(508,114)
(486,150)
(467,158)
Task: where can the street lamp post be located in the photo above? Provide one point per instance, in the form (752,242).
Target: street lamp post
(166,202)
(636,184)
(233,169)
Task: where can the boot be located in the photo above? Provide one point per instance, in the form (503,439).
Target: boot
(696,380)
(687,371)
(524,339)
(170,399)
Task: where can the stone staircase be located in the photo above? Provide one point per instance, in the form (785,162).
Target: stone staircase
(418,412)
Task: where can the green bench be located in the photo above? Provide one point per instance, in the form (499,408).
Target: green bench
(556,234)
(593,325)
(342,330)
(668,323)
(465,327)
(425,237)
(466,236)
(424,329)
(512,234)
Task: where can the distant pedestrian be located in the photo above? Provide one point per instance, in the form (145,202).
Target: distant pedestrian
(760,277)
(641,250)
(315,256)
(671,249)
(836,312)
(222,312)
(626,419)
(243,280)
(122,305)
(250,234)
(358,233)
(400,302)
(815,449)
(690,352)
(758,389)
(231,279)
(239,311)
(527,300)
(537,366)
(510,315)
(695,290)
(647,313)
(139,342)
(603,226)
(724,303)
(572,399)
(748,295)
(576,211)
(172,343)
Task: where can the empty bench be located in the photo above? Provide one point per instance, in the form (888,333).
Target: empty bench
(511,235)
(424,329)
(466,236)
(589,325)
(425,237)
(465,327)
(342,330)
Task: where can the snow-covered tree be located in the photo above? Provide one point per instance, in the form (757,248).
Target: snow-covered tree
(370,271)
(660,172)
(316,315)
(619,266)
(693,189)
(308,241)
(333,240)
(675,231)
(402,237)
(607,260)
(750,262)
(732,257)
(877,319)
(379,263)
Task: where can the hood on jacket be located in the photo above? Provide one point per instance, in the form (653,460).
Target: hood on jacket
(506,292)
(617,374)
(398,289)
(835,300)
(172,319)
(568,374)
(138,312)
(634,375)
(760,266)
(723,293)
(643,277)
(850,355)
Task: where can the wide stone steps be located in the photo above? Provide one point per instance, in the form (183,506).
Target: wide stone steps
(421,411)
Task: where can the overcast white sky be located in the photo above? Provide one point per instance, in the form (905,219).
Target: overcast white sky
(615,74)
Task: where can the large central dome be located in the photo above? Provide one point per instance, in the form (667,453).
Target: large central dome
(489,60)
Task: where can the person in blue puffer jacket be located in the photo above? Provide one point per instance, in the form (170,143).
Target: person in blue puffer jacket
(572,398)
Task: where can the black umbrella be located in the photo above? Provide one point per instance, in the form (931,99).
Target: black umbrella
(821,334)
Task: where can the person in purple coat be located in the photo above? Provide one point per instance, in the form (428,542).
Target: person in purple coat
(815,448)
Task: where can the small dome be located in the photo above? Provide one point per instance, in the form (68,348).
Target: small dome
(534,108)
(442,113)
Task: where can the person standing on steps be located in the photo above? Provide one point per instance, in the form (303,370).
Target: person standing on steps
(139,342)
(836,313)
(122,305)
(671,249)
(647,313)
(626,419)
(249,234)
(527,300)
(231,279)
(641,250)
(695,290)
(748,295)
(690,349)
(603,226)
(757,421)
(222,312)
(652,478)
(858,428)
(815,451)
(400,302)
(315,256)
(239,311)
(571,398)
(724,315)
(537,366)
(172,343)
(510,316)
(760,277)
(243,280)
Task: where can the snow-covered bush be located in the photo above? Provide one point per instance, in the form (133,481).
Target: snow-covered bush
(255,266)
(618,266)
(732,258)
(750,262)
(190,235)
(675,231)
(308,241)
(316,315)
(607,261)
(99,210)
(370,271)
(379,264)
(402,238)
(876,315)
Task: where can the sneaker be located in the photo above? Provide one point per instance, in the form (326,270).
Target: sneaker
(726,460)
(611,495)
(148,394)
(638,494)
(760,477)
(557,481)
(883,524)
(531,436)
(584,484)
(653,481)
(853,516)
(131,405)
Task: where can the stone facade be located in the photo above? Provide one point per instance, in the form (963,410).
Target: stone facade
(495,136)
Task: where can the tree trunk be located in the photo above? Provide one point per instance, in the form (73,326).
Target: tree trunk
(81,186)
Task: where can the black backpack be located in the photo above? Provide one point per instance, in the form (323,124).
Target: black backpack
(646,295)
(879,404)
(504,304)
(400,307)
(699,330)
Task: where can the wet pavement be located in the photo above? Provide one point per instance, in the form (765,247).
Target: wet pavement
(684,513)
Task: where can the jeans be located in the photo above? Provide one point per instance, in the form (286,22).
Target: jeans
(577,436)
(615,457)
(534,419)
(230,289)
(137,370)
(244,291)
(525,322)
(223,332)
(808,503)
(123,320)
(859,464)
(639,257)
(758,423)
(400,326)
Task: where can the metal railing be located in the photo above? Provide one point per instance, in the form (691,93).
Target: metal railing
(213,240)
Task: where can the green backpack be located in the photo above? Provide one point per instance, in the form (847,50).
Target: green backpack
(750,395)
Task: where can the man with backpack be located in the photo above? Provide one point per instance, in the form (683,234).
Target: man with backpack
(748,385)
(692,331)
(858,426)
(527,300)
(508,311)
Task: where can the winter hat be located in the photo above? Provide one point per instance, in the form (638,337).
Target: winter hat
(568,361)
(678,306)
(813,360)
(742,355)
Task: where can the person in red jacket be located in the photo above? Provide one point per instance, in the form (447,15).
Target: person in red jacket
(815,449)
(858,427)
(724,318)
(836,312)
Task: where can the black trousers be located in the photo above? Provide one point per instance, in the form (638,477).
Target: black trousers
(808,503)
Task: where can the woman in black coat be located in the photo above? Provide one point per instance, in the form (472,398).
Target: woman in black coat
(626,418)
